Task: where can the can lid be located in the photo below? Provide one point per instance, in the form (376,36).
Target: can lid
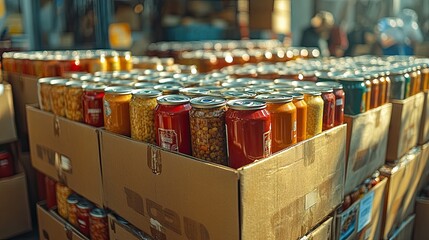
(296,95)
(233,84)
(168,88)
(275,98)
(237,94)
(319,89)
(98,212)
(72,199)
(303,83)
(47,79)
(141,85)
(282,87)
(168,80)
(259,89)
(246,104)
(58,82)
(174,99)
(95,87)
(264,82)
(119,90)
(311,92)
(75,84)
(84,204)
(334,85)
(100,80)
(78,75)
(208,102)
(125,83)
(146,93)
(194,91)
(146,78)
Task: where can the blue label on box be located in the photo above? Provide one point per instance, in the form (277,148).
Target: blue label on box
(365,211)
(348,221)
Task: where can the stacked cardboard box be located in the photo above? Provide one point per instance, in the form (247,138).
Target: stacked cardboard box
(15,213)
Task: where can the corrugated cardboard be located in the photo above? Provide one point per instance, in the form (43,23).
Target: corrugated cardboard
(424,124)
(24,92)
(405,231)
(322,232)
(173,196)
(422,219)
(363,219)
(15,213)
(66,150)
(424,162)
(7,116)
(367,136)
(119,231)
(52,227)
(404,126)
(404,178)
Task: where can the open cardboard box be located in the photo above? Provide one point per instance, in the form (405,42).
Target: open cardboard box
(403,180)
(24,92)
(66,151)
(424,123)
(362,220)
(422,219)
(15,216)
(53,227)
(405,231)
(322,232)
(7,115)
(367,135)
(120,231)
(404,126)
(174,196)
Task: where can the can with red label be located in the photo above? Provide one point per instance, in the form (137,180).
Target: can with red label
(51,192)
(83,210)
(172,123)
(248,131)
(93,105)
(99,229)
(6,164)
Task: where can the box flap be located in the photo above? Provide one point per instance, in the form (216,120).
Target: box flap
(119,231)
(367,136)
(285,195)
(167,193)
(51,228)
(405,231)
(404,126)
(7,115)
(424,124)
(322,232)
(67,151)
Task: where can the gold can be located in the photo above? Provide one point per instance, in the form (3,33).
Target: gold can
(58,88)
(73,100)
(142,120)
(63,192)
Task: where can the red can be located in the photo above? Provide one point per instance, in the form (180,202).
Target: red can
(328,97)
(41,187)
(248,131)
(6,164)
(93,105)
(172,123)
(51,192)
(83,213)
(339,100)
(99,227)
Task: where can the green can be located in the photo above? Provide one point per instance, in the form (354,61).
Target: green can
(355,90)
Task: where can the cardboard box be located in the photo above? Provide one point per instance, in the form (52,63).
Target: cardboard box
(121,231)
(7,115)
(322,232)
(424,162)
(66,151)
(404,177)
(367,136)
(404,126)
(422,219)
(405,231)
(52,227)
(173,196)
(15,216)
(24,92)
(424,123)
(363,219)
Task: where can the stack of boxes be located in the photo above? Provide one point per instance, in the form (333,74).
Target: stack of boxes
(15,216)
(292,194)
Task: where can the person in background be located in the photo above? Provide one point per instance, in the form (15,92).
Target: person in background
(338,41)
(399,35)
(318,33)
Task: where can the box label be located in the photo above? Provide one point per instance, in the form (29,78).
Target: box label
(365,211)
(348,222)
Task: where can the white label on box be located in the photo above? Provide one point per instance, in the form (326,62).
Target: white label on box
(365,211)
(311,199)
